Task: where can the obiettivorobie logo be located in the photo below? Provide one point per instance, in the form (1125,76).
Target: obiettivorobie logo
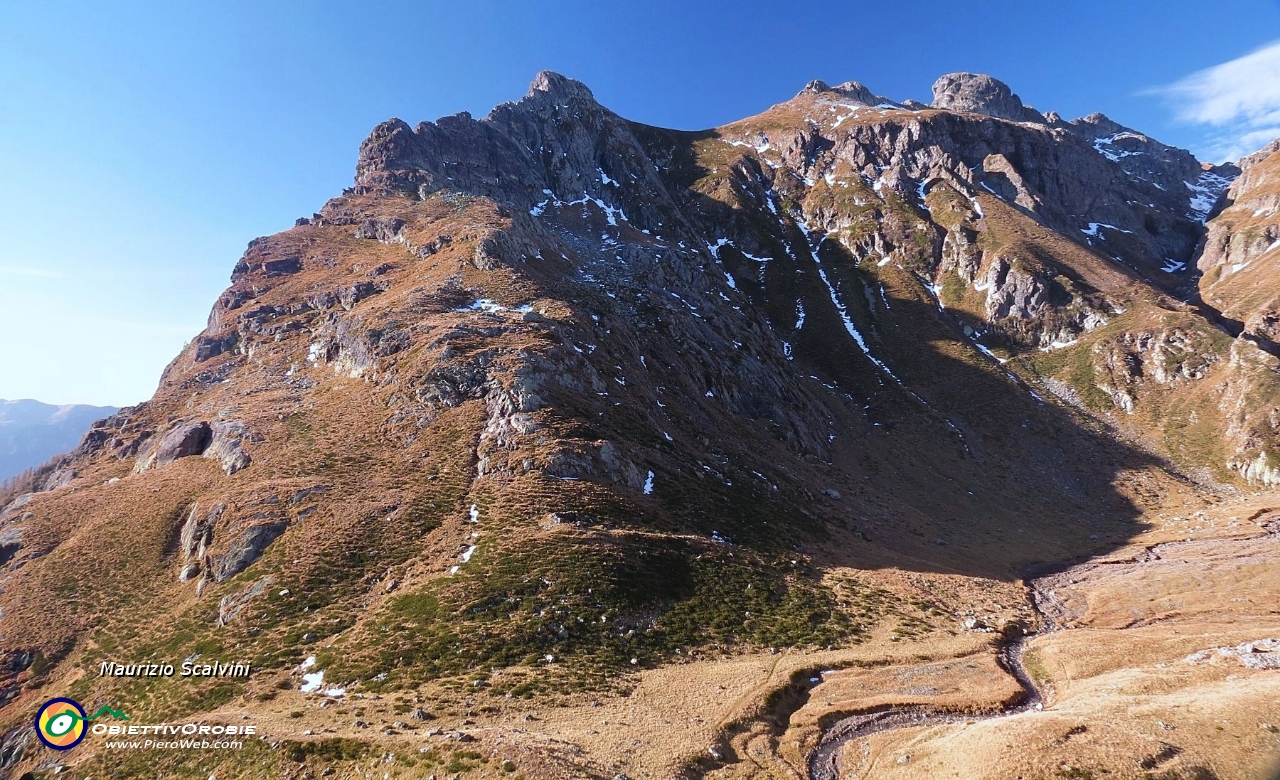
(60,723)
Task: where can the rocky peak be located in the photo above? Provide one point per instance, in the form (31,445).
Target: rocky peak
(815,87)
(1097,125)
(850,90)
(977,93)
(554,144)
(1247,162)
(560,88)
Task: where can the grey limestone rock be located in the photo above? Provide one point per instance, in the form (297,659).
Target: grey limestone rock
(981,94)
(181,441)
(230,607)
(226,445)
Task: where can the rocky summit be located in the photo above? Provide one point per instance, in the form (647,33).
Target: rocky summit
(621,451)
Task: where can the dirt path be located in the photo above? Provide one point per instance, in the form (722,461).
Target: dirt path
(1054,613)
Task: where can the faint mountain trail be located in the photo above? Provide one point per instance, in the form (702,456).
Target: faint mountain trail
(1054,614)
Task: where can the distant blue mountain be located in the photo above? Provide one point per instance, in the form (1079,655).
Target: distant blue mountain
(32,432)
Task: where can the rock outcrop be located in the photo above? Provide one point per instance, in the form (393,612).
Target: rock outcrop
(181,441)
(581,387)
(981,94)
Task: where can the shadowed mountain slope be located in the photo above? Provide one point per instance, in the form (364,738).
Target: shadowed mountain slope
(551,395)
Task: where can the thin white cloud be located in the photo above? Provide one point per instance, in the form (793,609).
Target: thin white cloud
(1239,100)
(13,270)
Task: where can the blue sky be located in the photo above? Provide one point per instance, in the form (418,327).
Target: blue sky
(143,145)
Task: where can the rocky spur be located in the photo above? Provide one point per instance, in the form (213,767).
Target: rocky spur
(186,669)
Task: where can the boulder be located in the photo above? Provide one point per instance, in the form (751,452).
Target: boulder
(230,607)
(226,445)
(282,266)
(380,229)
(194,539)
(351,295)
(208,347)
(183,440)
(244,551)
(10,543)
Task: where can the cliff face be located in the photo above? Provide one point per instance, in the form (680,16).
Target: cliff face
(553,384)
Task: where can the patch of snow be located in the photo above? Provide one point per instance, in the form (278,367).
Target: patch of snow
(604,178)
(850,327)
(611,213)
(786,350)
(466,555)
(936,291)
(983,349)
(493,307)
(1114,155)
(474,513)
(1095,227)
(1172,266)
(648,483)
(312,682)
(840,120)
(760,148)
(1058,345)
(799,315)
(1205,192)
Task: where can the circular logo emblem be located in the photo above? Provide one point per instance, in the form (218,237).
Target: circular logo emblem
(60,724)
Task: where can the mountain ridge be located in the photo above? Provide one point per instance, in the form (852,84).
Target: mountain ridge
(552,399)
(31,432)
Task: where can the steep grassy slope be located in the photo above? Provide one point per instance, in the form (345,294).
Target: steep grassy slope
(550,399)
